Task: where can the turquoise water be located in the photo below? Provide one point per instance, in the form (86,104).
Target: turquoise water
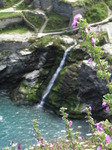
(16,123)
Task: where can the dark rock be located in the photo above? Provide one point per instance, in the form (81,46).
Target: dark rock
(77,87)
(1,3)
(28,73)
(14,64)
(91,89)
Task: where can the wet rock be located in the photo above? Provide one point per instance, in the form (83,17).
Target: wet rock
(76,87)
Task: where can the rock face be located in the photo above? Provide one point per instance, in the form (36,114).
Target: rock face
(10,21)
(14,64)
(61,8)
(1,3)
(66,9)
(27,74)
(77,87)
(46,5)
(36,4)
(34,82)
(43,4)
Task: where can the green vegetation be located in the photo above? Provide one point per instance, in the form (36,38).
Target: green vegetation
(24,5)
(9,3)
(103,38)
(96,12)
(56,22)
(109,3)
(42,42)
(30,92)
(4,15)
(78,2)
(36,20)
(16,29)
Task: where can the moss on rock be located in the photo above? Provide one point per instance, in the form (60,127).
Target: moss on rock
(26,93)
(65,92)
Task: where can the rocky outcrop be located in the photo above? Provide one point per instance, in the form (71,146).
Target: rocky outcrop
(67,9)
(77,87)
(43,4)
(1,3)
(36,4)
(46,5)
(28,72)
(16,60)
(4,23)
(30,90)
(62,8)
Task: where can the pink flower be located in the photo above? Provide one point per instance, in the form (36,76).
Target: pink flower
(107,86)
(93,41)
(98,148)
(86,30)
(90,59)
(108,138)
(76,19)
(19,146)
(84,39)
(90,108)
(42,139)
(89,27)
(43,145)
(107,109)
(37,140)
(12,142)
(99,127)
(104,104)
(70,123)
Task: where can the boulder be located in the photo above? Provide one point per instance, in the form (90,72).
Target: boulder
(36,4)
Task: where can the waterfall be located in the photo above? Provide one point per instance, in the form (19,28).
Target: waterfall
(51,83)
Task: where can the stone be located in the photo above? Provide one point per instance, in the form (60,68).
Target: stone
(76,87)
(32,75)
(62,8)
(4,23)
(25,52)
(36,4)
(3,67)
(1,3)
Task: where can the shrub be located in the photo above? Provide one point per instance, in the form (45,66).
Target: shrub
(96,12)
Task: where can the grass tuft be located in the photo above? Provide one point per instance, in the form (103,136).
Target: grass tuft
(56,22)
(4,15)
(16,29)
(97,12)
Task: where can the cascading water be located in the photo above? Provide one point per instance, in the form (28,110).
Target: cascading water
(51,83)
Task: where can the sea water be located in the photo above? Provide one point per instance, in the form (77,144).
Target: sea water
(16,123)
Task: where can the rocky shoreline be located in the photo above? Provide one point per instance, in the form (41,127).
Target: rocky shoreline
(28,64)
(26,70)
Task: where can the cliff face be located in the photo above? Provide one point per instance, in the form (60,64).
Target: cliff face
(43,4)
(4,23)
(27,74)
(1,3)
(15,61)
(59,7)
(64,9)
